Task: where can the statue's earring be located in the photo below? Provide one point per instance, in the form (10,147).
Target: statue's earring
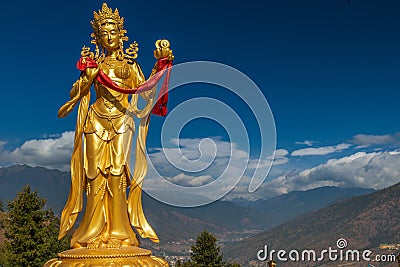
(95,41)
(120,55)
(97,51)
(101,57)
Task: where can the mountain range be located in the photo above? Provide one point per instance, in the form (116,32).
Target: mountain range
(285,207)
(364,222)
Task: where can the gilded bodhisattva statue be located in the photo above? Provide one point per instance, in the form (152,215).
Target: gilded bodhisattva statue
(101,156)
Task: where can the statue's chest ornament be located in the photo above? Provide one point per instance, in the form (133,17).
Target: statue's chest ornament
(116,68)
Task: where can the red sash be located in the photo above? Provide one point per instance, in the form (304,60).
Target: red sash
(163,65)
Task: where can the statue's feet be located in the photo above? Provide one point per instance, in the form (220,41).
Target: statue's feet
(114,243)
(77,245)
(127,242)
(94,244)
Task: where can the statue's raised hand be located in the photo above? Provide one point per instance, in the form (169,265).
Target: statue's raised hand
(163,50)
(91,73)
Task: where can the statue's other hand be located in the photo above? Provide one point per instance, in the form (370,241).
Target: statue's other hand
(65,109)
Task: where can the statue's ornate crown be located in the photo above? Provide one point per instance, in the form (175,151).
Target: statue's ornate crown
(105,15)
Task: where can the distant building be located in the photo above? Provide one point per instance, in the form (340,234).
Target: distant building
(172,260)
(389,246)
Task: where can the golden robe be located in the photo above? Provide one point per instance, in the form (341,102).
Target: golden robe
(101,164)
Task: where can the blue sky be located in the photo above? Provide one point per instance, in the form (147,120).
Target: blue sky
(328,68)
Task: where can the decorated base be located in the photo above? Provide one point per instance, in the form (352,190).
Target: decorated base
(128,256)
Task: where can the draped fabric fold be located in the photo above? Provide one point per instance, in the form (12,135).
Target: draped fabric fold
(135,210)
(75,198)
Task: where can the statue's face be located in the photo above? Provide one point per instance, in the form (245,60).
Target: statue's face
(109,37)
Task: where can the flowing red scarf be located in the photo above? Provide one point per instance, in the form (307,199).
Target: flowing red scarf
(163,65)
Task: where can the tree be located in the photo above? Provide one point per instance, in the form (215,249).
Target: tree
(179,263)
(1,230)
(206,253)
(31,232)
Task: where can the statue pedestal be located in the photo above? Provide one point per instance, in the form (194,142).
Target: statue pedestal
(126,256)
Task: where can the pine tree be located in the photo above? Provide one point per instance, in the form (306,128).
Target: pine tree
(31,232)
(184,264)
(1,230)
(206,253)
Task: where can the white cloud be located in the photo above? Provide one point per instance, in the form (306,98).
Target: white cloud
(367,140)
(195,155)
(208,157)
(377,169)
(220,165)
(280,153)
(366,170)
(2,144)
(52,153)
(319,151)
(305,142)
(279,159)
(187,180)
(202,158)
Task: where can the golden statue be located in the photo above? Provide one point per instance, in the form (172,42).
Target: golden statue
(100,165)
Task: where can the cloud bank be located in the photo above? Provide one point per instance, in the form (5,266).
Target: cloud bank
(319,151)
(366,170)
(367,140)
(51,153)
(197,162)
